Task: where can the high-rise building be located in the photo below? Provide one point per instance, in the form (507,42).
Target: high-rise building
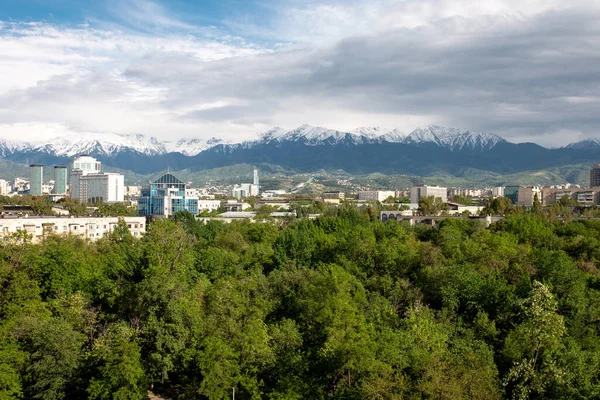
(87,164)
(512,193)
(36,179)
(60,179)
(166,196)
(89,185)
(595,176)
(256,182)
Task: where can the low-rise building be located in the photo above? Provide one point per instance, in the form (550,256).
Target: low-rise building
(376,195)
(333,196)
(165,196)
(91,228)
(208,205)
(236,206)
(418,192)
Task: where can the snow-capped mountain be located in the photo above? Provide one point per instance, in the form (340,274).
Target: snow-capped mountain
(10,146)
(110,145)
(191,147)
(588,144)
(102,144)
(453,138)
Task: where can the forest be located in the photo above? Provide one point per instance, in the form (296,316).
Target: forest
(340,307)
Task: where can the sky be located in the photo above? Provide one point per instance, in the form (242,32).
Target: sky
(527,70)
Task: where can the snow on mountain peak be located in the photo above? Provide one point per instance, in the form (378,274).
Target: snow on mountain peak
(584,144)
(101,143)
(453,138)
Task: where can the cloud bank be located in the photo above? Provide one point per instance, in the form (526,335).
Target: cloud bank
(526,70)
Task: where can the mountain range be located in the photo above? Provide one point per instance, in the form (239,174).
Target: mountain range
(424,152)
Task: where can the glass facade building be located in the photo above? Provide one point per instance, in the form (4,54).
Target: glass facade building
(36,179)
(512,192)
(60,180)
(166,196)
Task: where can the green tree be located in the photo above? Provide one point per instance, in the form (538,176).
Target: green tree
(535,346)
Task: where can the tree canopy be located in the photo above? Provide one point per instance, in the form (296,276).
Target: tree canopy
(340,307)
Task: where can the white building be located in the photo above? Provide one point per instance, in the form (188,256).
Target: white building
(87,164)
(91,228)
(244,190)
(208,205)
(417,192)
(89,185)
(498,191)
(376,195)
(5,187)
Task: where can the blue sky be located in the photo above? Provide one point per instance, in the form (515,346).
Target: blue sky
(524,69)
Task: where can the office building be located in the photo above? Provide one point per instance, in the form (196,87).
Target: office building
(595,176)
(90,185)
(165,196)
(36,179)
(91,228)
(256,181)
(512,193)
(60,180)
(418,192)
(87,164)
(376,195)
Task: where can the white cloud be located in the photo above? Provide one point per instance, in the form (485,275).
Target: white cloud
(524,69)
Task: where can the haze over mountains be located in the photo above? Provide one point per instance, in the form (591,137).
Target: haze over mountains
(306,148)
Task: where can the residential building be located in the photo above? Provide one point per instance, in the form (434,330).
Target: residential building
(583,196)
(90,185)
(20,184)
(60,179)
(5,187)
(165,196)
(498,192)
(91,228)
(376,195)
(418,192)
(595,176)
(36,179)
(244,190)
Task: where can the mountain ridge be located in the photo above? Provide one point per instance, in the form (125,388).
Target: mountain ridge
(109,144)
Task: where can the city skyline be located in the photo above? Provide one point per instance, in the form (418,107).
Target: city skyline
(524,71)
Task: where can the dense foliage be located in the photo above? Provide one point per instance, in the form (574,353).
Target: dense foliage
(341,307)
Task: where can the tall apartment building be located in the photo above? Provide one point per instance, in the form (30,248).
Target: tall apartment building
(167,195)
(5,187)
(90,185)
(60,179)
(376,195)
(595,176)
(418,192)
(526,195)
(36,179)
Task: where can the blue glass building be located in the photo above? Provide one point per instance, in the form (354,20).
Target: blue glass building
(166,196)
